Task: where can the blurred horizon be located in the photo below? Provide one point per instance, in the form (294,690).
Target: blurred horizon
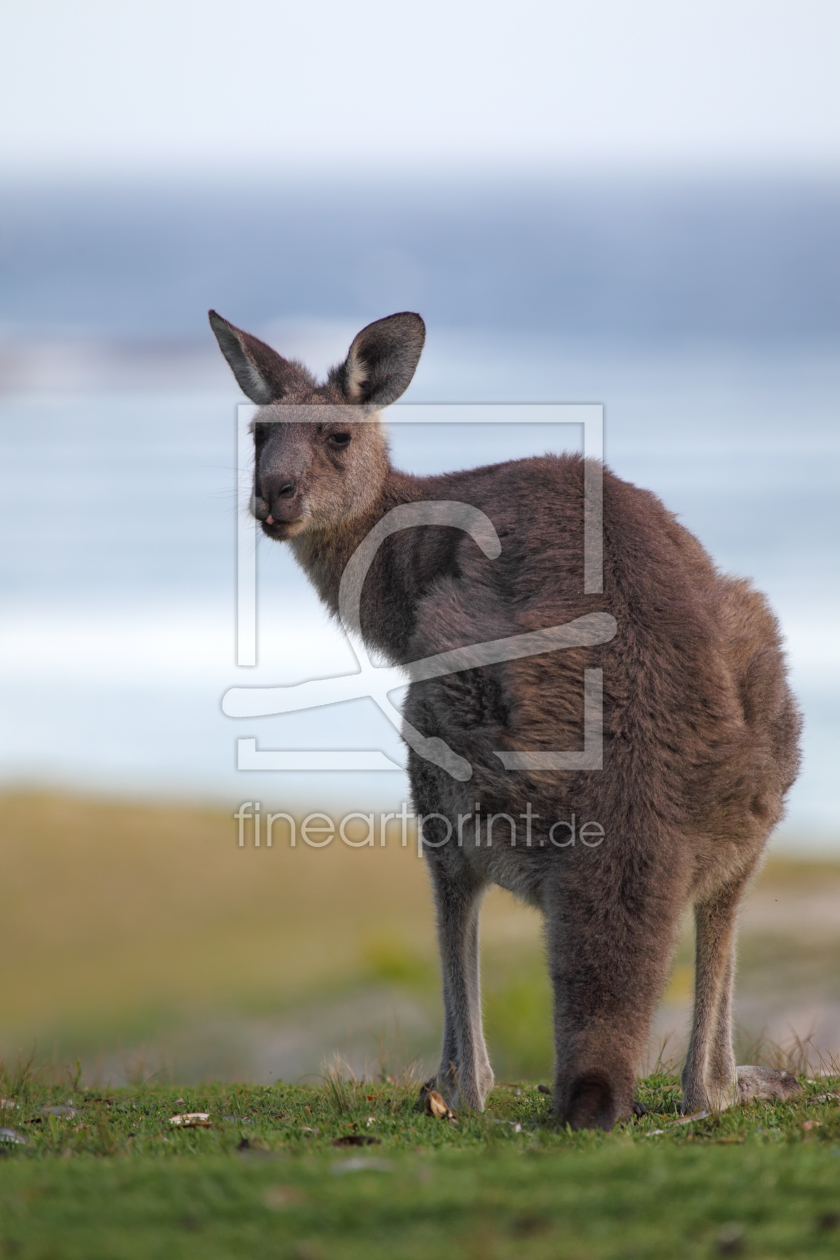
(679,261)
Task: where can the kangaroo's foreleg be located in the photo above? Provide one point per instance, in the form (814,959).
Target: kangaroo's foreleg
(710,1079)
(465,1075)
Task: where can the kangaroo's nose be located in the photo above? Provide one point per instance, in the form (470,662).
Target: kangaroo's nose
(279,494)
(273,488)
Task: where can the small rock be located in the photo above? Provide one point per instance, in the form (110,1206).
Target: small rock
(192,1120)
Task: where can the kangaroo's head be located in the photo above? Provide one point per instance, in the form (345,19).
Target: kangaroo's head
(321,453)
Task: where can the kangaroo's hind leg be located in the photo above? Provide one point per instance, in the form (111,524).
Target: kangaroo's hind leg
(611,923)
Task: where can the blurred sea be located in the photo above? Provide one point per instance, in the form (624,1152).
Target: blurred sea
(705,319)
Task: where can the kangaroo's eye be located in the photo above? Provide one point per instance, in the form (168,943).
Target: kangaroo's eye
(339,440)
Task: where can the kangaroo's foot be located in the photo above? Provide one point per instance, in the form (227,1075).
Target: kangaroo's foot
(705,1097)
(751,1084)
(458,1092)
(595,1099)
(758,1083)
(638,1110)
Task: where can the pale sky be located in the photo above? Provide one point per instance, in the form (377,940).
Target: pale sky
(259,86)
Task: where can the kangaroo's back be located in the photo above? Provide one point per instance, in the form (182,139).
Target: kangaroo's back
(696,704)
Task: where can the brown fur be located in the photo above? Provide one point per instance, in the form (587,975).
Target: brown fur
(700,728)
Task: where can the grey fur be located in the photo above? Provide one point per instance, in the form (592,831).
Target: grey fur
(700,728)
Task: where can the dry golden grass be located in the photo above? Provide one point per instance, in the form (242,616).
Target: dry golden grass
(119,920)
(112,910)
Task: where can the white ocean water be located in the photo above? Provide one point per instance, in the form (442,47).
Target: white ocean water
(117,545)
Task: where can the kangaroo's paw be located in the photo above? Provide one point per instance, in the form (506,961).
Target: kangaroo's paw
(758,1083)
(448,1090)
(438,1085)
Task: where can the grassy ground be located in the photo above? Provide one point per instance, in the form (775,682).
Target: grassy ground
(355,1169)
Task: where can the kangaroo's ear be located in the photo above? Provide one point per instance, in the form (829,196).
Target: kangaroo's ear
(382,360)
(263,375)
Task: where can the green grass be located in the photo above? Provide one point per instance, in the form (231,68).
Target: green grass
(116,1179)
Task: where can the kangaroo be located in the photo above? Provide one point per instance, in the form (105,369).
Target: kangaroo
(699,729)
